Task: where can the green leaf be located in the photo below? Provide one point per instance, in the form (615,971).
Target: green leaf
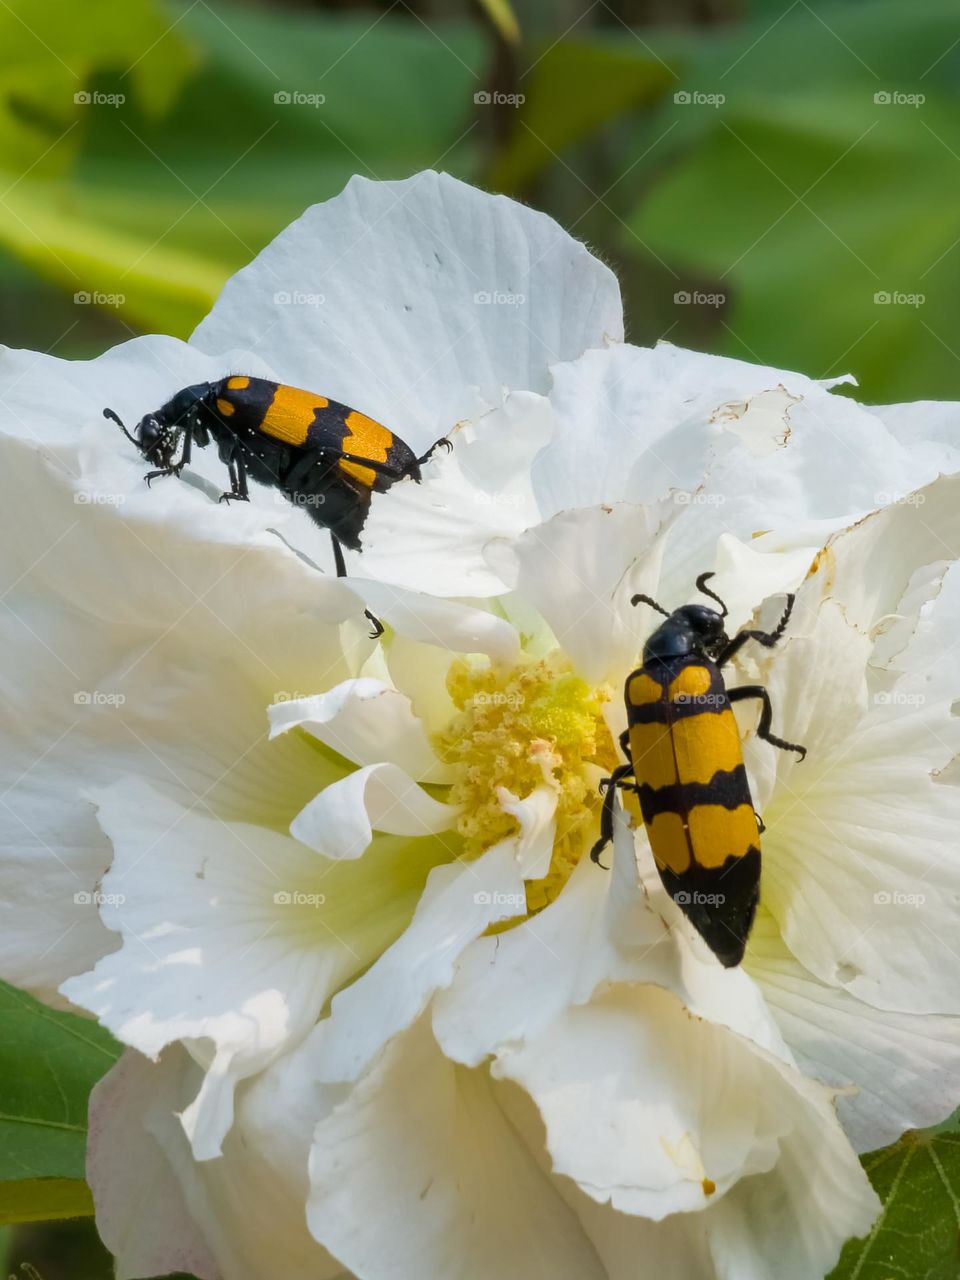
(44,1200)
(918,1232)
(49,1062)
(154,212)
(808,213)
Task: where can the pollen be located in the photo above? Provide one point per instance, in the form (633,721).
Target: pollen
(518,727)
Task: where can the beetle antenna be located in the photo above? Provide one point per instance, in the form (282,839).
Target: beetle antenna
(640,598)
(109,413)
(705,590)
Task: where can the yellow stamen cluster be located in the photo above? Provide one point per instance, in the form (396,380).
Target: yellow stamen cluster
(516,728)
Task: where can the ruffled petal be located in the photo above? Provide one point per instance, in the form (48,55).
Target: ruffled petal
(340,821)
(431,537)
(143,1214)
(657,1114)
(895,1071)
(456,1193)
(259,931)
(580,569)
(604,927)
(859,865)
(429,287)
(240,1217)
(458,904)
(368,722)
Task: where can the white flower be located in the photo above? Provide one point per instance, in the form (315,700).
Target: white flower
(401,1025)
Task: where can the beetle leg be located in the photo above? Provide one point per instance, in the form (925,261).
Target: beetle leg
(766,716)
(442,443)
(238,479)
(160,472)
(767,638)
(242,491)
(342,573)
(186,450)
(609,787)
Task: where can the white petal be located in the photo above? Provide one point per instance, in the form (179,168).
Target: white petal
(859,859)
(234,938)
(368,722)
(747,573)
(135,642)
(747,1234)
(402,331)
(536,815)
(430,537)
(903,1067)
(247,1207)
(927,428)
(448,624)
(340,821)
(458,904)
(456,1193)
(143,1214)
(580,569)
(600,929)
(633,423)
(642,1104)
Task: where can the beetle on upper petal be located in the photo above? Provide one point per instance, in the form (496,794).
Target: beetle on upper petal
(323,455)
(686,764)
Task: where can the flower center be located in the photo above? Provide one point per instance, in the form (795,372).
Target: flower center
(516,727)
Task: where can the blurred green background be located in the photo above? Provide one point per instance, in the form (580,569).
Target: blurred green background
(772,180)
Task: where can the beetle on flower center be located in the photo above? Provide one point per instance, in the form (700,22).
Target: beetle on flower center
(686,764)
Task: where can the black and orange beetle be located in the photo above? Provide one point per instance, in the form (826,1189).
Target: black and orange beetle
(686,764)
(325,456)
